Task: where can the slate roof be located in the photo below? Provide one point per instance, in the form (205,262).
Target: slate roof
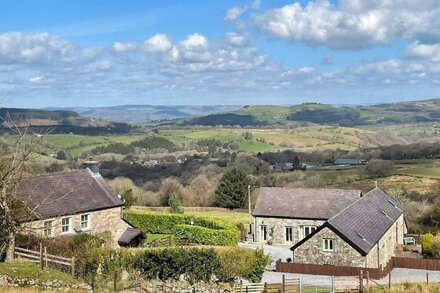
(303,203)
(350,161)
(128,235)
(68,193)
(363,223)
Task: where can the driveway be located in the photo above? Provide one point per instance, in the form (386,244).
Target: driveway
(276,252)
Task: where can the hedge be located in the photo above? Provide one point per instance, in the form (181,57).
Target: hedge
(196,229)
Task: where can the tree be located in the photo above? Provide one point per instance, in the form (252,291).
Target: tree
(128,198)
(12,209)
(295,163)
(61,155)
(168,187)
(380,167)
(175,203)
(232,190)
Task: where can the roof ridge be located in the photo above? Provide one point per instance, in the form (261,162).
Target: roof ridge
(341,211)
(54,174)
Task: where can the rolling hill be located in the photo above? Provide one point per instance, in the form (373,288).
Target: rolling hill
(395,113)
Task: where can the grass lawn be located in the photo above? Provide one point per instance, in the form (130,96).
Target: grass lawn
(153,237)
(257,146)
(25,269)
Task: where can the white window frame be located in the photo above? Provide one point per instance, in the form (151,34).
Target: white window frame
(328,244)
(87,226)
(48,228)
(303,230)
(286,228)
(64,225)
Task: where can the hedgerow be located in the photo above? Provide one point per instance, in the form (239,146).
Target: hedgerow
(196,229)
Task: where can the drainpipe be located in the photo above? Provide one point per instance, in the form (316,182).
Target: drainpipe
(378,254)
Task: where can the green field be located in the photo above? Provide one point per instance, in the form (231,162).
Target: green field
(430,172)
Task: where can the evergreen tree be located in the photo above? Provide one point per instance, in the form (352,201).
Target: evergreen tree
(232,190)
(296,164)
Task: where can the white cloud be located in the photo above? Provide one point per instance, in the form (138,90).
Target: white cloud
(159,43)
(124,47)
(37,48)
(36,79)
(195,42)
(235,12)
(236,40)
(423,51)
(353,24)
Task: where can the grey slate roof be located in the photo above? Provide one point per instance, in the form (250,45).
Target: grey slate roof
(68,193)
(303,203)
(363,223)
(128,235)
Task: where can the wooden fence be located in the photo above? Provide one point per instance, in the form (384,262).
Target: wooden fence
(330,270)
(44,259)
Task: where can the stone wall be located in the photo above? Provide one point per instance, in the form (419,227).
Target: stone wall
(279,225)
(312,251)
(99,221)
(7,281)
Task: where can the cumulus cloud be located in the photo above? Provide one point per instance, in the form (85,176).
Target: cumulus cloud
(236,40)
(235,12)
(38,48)
(353,24)
(423,51)
(195,42)
(124,47)
(159,43)
(36,79)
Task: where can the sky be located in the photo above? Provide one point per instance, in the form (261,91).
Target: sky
(200,52)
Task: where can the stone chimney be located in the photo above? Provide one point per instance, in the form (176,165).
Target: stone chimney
(92,165)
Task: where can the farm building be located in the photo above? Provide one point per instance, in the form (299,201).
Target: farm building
(351,162)
(287,215)
(364,234)
(67,204)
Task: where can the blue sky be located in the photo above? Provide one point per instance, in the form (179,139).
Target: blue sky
(103,53)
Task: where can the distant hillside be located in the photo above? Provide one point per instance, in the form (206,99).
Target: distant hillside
(395,113)
(58,121)
(147,113)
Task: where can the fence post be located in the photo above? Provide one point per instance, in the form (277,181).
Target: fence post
(45,257)
(332,280)
(73,266)
(427,278)
(368,281)
(247,289)
(265,287)
(241,286)
(41,256)
(389,279)
(361,281)
(300,285)
(284,283)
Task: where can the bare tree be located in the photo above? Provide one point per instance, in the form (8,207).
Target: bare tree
(13,156)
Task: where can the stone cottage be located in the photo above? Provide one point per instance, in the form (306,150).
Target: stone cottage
(288,215)
(69,203)
(364,234)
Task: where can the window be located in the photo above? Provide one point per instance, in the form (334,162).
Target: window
(307,230)
(263,233)
(85,222)
(328,244)
(65,225)
(47,228)
(289,234)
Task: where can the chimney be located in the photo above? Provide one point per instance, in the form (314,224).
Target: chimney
(92,165)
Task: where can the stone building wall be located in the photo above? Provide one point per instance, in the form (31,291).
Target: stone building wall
(382,252)
(343,254)
(279,225)
(99,221)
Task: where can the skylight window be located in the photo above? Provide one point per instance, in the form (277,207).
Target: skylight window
(361,236)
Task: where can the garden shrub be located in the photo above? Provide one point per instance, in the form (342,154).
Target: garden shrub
(196,229)
(195,264)
(427,245)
